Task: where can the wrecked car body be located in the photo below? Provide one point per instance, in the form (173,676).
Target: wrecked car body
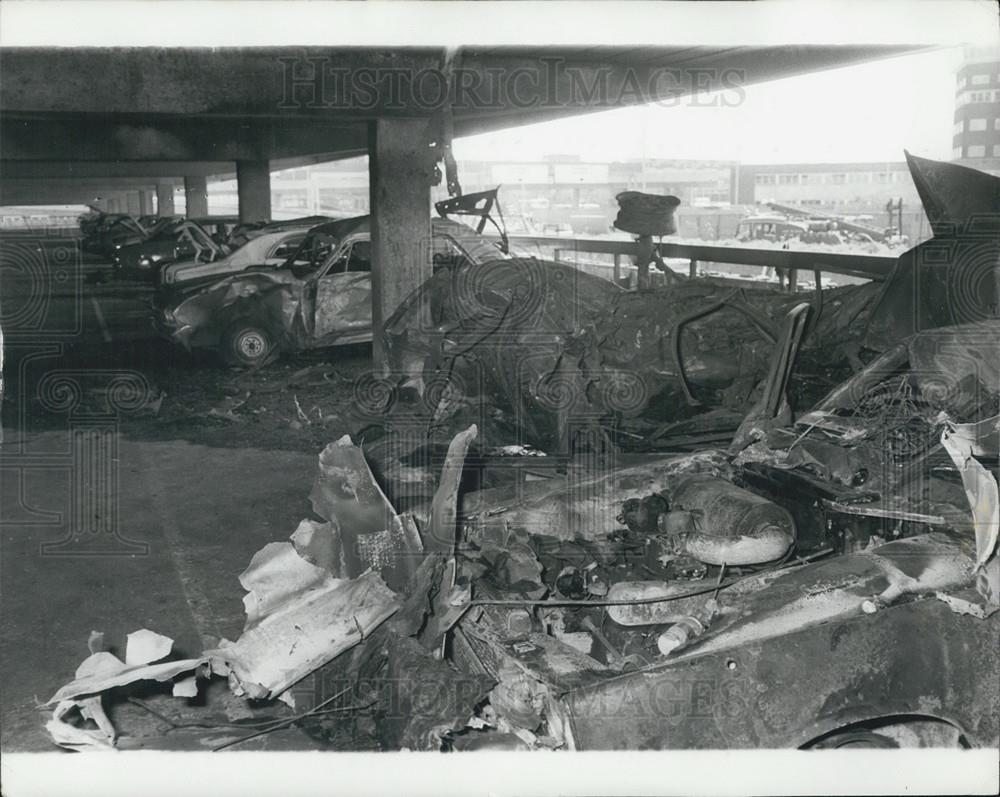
(104,232)
(543,354)
(320,296)
(907,574)
(588,611)
(553,351)
(166,241)
(271,247)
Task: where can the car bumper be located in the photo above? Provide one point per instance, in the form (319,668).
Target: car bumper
(180,334)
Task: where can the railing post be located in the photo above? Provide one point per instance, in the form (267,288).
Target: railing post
(618,268)
(555,254)
(793,278)
(693,268)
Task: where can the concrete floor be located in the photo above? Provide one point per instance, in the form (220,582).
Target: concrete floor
(199,514)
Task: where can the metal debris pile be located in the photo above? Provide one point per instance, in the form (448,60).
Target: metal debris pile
(511,610)
(798,575)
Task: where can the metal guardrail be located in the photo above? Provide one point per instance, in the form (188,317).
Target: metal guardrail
(876,267)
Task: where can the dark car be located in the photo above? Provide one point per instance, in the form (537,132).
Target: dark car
(166,241)
(104,232)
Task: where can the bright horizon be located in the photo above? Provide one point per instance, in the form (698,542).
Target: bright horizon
(867,112)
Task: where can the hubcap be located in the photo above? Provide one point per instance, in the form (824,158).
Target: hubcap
(252,344)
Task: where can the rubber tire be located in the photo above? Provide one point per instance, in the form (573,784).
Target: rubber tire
(246,343)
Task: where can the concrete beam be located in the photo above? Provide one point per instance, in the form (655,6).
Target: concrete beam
(16,192)
(151,140)
(400,171)
(195,196)
(362,83)
(253,188)
(232,105)
(163,171)
(193,81)
(164,199)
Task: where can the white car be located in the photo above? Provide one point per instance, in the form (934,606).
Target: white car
(270,249)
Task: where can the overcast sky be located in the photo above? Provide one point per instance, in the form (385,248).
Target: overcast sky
(868,112)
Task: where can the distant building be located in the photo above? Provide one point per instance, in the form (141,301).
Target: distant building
(839,187)
(976,135)
(563,193)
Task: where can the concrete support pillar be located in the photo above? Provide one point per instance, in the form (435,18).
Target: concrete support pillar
(399,186)
(145,202)
(164,199)
(195,196)
(132,206)
(253,187)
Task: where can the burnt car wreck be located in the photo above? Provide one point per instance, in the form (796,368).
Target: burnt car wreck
(318,296)
(575,517)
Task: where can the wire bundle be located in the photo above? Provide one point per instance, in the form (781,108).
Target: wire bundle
(646,214)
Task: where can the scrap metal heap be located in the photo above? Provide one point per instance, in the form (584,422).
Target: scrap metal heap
(538,353)
(838,570)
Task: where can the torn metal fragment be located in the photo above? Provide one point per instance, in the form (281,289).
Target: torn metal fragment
(144,646)
(371,533)
(292,632)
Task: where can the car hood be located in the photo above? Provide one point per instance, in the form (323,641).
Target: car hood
(773,604)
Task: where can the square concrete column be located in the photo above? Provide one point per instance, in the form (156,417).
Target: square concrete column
(253,187)
(164,199)
(145,202)
(399,170)
(195,196)
(132,203)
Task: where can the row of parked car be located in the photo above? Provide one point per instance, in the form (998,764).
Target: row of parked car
(248,290)
(138,247)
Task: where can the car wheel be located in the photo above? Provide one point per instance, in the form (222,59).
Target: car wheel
(246,343)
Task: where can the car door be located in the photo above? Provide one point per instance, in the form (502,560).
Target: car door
(447,253)
(342,304)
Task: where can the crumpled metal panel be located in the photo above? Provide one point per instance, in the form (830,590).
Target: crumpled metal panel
(543,343)
(956,198)
(343,302)
(809,650)
(914,658)
(954,278)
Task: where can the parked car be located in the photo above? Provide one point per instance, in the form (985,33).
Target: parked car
(241,233)
(103,232)
(219,227)
(271,249)
(149,221)
(167,241)
(320,296)
(769,228)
